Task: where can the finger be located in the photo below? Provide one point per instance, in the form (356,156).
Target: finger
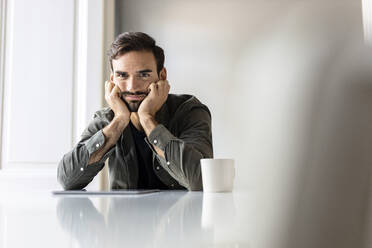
(163,83)
(153,89)
(160,86)
(108,88)
(168,88)
(163,87)
(157,91)
(110,85)
(115,91)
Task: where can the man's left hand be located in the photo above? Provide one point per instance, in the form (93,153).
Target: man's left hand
(154,100)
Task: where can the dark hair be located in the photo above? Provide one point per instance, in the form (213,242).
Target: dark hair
(135,41)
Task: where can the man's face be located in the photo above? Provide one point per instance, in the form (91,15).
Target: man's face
(133,72)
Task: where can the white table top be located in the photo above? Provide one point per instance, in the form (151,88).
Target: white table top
(166,219)
(163,219)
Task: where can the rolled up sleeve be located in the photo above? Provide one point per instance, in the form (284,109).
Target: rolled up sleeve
(73,170)
(184,151)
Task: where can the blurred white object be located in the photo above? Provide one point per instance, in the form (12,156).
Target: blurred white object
(367,20)
(218,211)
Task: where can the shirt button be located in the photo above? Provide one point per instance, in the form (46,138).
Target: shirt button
(168,163)
(157,168)
(97,145)
(81,168)
(155,141)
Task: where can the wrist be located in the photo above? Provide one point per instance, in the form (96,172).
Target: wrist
(120,122)
(114,129)
(148,123)
(145,117)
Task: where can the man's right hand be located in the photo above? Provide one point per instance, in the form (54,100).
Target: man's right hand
(116,103)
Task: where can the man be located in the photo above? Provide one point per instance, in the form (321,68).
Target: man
(152,139)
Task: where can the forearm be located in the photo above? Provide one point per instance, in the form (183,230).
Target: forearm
(79,166)
(73,172)
(148,124)
(112,133)
(181,155)
(183,163)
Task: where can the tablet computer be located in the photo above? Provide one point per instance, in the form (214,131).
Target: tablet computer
(110,192)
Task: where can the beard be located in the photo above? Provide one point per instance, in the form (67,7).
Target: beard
(132,106)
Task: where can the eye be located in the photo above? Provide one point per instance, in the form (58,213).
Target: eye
(144,74)
(121,76)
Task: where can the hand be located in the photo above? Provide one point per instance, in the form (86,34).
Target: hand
(115,102)
(154,100)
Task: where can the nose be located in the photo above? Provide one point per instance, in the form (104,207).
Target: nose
(132,84)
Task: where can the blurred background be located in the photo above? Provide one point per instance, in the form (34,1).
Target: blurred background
(289,85)
(264,68)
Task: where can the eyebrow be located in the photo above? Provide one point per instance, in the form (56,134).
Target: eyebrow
(144,71)
(121,72)
(126,73)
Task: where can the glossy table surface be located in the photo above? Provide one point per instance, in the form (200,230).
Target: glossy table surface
(162,219)
(248,218)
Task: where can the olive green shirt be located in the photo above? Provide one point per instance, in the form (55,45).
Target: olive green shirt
(184,135)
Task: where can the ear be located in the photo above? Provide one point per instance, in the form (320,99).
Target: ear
(163,74)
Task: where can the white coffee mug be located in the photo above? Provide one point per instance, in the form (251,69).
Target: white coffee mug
(217,174)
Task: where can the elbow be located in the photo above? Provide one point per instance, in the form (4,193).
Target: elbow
(61,178)
(65,180)
(66,185)
(195,187)
(193,177)
(196,184)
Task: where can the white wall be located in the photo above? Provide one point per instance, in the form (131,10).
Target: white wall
(254,63)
